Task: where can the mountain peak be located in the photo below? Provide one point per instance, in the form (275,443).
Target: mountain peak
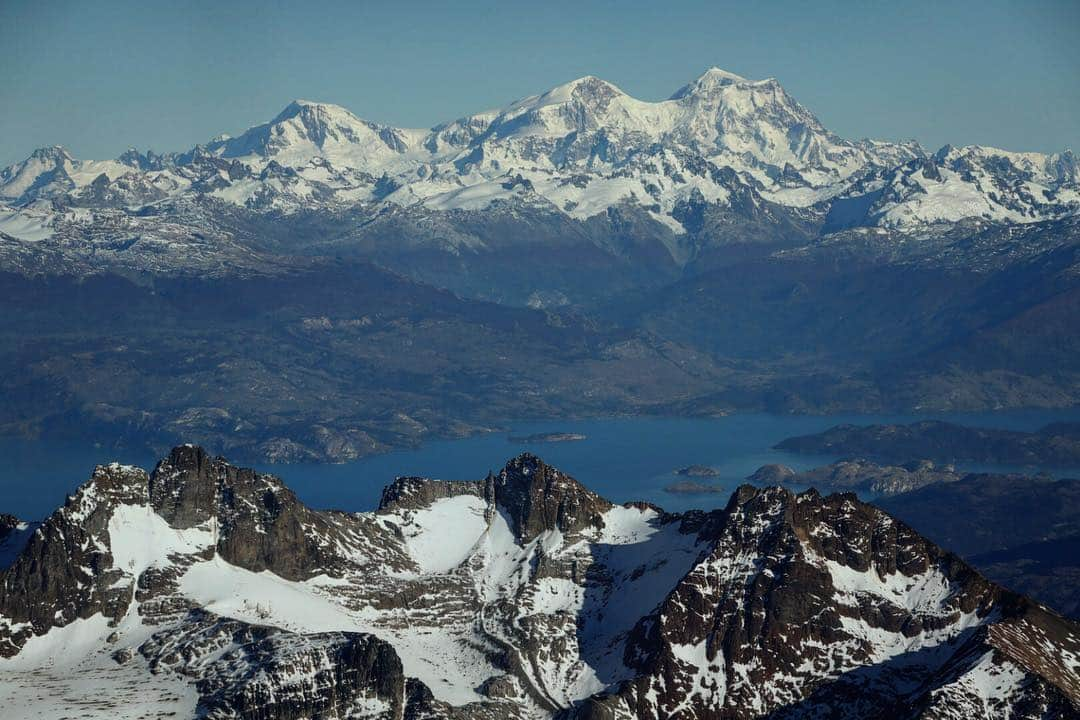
(587,87)
(711,79)
(719,75)
(538,497)
(300,106)
(784,605)
(306,129)
(52,152)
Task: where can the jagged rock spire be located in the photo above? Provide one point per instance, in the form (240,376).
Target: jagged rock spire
(539,497)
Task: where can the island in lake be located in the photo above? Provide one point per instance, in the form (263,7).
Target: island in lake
(548,437)
(697,471)
(692,487)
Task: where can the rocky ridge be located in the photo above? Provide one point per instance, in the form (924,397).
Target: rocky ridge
(522,595)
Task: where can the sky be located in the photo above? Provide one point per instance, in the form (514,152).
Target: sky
(99,77)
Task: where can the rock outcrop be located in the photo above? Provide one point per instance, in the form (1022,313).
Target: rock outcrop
(215,592)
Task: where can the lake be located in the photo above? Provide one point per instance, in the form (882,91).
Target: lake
(621,458)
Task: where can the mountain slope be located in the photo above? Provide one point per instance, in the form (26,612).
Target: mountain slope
(523,595)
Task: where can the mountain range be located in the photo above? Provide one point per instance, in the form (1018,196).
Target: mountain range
(714,252)
(203,589)
(578,149)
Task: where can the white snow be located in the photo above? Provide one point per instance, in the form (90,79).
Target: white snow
(990,681)
(140,538)
(585,146)
(68,672)
(440,537)
(437,656)
(26,224)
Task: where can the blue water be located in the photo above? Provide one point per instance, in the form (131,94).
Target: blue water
(622,458)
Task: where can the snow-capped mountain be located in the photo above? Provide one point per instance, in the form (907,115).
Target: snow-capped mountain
(579,149)
(202,589)
(52,172)
(955,184)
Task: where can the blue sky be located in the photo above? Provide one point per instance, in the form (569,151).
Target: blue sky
(101,76)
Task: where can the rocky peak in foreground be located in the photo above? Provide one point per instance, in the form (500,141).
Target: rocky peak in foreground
(203,589)
(260,523)
(534,496)
(811,606)
(541,498)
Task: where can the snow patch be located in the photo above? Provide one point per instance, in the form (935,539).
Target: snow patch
(440,536)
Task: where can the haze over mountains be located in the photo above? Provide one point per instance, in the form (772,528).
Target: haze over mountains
(717,251)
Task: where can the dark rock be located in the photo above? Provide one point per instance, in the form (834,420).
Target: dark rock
(778,605)
(65,570)
(418,492)
(538,497)
(122,655)
(261,523)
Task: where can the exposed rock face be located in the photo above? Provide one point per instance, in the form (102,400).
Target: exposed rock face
(261,524)
(417,492)
(320,675)
(14,534)
(778,619)
(66,571)
(535,497)
(538,497)
(523,595)
(8,523)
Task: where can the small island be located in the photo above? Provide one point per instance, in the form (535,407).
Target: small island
(548,437)
(697,471)
(692,487)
